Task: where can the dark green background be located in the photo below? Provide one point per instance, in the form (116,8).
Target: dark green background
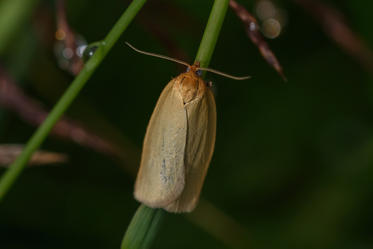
(293,162)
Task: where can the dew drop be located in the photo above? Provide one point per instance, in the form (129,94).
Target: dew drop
(90,50)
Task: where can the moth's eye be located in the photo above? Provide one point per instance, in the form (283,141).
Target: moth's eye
(199,72)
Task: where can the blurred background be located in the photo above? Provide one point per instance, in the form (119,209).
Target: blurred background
(293,165)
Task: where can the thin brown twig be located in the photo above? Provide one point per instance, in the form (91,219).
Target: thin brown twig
(14,99)
(335,26)
(252,31)
(9,152)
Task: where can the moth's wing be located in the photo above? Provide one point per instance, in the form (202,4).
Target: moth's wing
(201,116)
(161,177)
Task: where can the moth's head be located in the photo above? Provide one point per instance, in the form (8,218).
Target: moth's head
(190,84)
(195,69)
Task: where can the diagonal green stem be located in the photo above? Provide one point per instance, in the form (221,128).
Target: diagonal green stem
(39,136)
(145,223)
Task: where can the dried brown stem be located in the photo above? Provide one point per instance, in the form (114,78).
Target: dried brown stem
(252,31)
(9,152)
(14,99)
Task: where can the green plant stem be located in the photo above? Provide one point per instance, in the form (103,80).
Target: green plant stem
(211,34)
(70,94)
(143,228)
(145,223)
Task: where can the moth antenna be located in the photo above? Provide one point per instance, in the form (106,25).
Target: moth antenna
(158,55)
(186,64)
(224,74)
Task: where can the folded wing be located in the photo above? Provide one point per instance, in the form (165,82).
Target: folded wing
(161,177)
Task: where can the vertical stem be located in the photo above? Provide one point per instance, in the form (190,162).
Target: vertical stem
(211,34)
(70,94)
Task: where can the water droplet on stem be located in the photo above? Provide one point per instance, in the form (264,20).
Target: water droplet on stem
(90,50)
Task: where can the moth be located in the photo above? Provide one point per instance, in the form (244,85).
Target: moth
(179,142)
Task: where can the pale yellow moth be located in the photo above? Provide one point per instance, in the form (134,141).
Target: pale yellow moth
(179,142)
